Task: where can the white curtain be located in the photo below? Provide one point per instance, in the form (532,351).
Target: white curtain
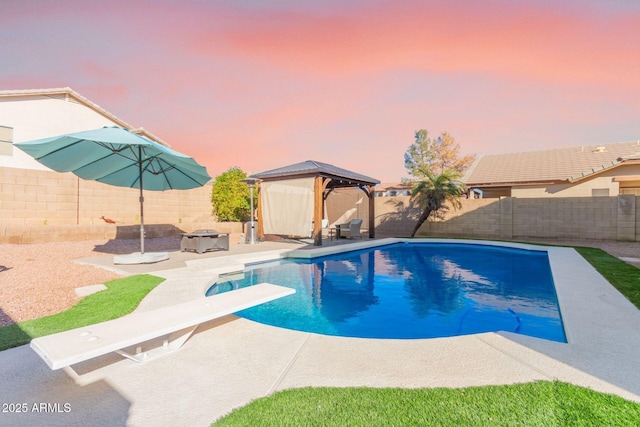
(287,206)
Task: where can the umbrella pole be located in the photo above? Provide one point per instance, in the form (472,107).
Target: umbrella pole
(141,222)
(141,202)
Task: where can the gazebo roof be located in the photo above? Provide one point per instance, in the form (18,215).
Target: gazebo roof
(339,177)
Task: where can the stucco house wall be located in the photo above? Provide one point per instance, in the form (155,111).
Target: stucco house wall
(35,117)
(580,189)
(606,180)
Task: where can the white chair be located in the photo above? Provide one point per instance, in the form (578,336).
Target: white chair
(350,229)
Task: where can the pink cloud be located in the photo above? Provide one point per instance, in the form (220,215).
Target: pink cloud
(266,84)
(107,94)
(523,40)
(96,70)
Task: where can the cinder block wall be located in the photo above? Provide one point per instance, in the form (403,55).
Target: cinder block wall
(395,216)
(598,218)
(477,218)
(343,205)
(42,206)
(572,217)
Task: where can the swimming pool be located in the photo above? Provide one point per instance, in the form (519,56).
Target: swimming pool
(410,290)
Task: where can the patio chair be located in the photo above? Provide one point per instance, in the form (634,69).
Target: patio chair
(350,229)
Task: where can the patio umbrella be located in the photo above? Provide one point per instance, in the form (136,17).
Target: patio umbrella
(116,156)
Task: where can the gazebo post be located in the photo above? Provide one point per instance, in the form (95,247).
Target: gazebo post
(318,190)
(372,213)
(259,215)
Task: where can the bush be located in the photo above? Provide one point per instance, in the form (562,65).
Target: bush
(230,196)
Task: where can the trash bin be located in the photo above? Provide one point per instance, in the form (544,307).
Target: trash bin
(252,232)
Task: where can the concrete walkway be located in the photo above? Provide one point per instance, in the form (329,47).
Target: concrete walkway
(230,362)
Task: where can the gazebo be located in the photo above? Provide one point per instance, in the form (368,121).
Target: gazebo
(291,195)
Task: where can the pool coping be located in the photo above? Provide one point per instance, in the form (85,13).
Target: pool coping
(230,362)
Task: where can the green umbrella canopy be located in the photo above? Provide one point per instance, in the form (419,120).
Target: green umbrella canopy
(116,156)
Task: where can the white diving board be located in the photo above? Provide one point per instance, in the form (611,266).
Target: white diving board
(66,348)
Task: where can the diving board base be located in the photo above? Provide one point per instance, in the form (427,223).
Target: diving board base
(170,344)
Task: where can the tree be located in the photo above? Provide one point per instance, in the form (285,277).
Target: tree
(433,191)
(436,170)
(230,196)
(435,155)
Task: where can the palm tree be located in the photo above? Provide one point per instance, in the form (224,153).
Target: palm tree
(434,190)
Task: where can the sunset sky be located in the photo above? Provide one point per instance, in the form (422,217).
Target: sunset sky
(261,84)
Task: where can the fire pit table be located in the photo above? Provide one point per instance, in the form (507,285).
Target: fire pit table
(204,240)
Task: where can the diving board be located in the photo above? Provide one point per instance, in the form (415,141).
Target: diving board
(178,322)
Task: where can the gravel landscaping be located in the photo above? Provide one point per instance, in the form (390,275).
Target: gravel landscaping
(40,279)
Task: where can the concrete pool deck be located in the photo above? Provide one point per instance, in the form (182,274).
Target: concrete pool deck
(232,361)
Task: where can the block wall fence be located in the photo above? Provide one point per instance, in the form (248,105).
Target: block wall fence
(597,218)
(43,206)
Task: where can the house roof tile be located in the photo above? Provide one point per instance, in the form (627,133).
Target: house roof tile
(562,164)
(394,186)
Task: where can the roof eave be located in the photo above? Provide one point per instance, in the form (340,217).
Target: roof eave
(337,181)
(593,172)
(84,101)
(513,184)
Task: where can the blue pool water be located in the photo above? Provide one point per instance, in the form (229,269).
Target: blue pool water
(410,290)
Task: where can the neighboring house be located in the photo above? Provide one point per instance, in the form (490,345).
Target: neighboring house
(598,170)
(40,113)
(393,189)
(38,204)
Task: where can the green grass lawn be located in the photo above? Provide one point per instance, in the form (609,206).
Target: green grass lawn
(121,297)
(542,403)
(624,277)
